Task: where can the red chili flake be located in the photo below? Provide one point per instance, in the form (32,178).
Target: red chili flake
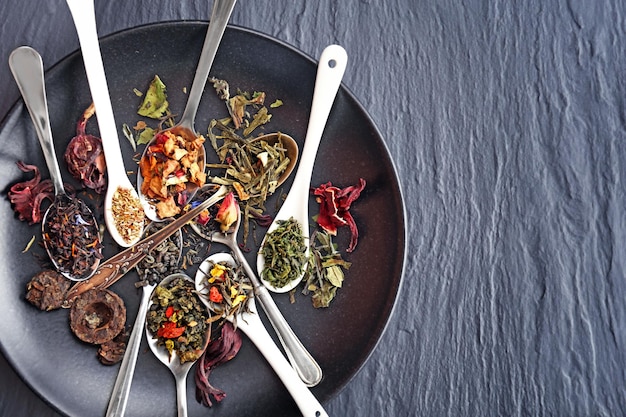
(215,295)
(169,330)
(28,196)
(334,209)
(169,311)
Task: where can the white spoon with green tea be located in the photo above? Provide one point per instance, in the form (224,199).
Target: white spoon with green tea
(283,273)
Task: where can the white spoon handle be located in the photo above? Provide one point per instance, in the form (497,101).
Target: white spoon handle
(85,21)
(251,325)
(330,70)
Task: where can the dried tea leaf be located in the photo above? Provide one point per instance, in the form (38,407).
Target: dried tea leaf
(145,136)
(276,103)
(129,135)
(155,103)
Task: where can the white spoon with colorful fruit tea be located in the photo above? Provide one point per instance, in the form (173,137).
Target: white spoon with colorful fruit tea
(241,311)
(177,330)
(66,216)
(180,147)
(272,262)
(301,360)
(123,213)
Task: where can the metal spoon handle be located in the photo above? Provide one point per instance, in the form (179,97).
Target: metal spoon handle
(181,395)
(301,360)
(121,389)
(118,265)
(27,68)
(217,25)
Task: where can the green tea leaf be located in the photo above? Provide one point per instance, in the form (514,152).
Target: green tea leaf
(155,103)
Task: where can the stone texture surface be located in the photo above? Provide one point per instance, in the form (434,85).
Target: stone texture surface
(507,123)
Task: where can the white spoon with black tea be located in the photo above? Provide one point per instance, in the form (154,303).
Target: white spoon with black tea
(66,216)
(332,65)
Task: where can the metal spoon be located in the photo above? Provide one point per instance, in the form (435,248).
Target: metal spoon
(250,323)
(306,367)
(27,68)
(220,14)
(329,74)
(118,183)
(121,388)
(179,370)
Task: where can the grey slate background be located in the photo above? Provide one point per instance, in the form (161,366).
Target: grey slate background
(506,121)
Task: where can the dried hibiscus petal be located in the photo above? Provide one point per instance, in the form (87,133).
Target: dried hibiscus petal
(85,157)
(27,196)
(219,351)
(334,209)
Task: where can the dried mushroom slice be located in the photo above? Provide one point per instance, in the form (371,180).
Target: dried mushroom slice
(97,316)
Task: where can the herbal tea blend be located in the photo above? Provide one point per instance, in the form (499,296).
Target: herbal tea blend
(284,253)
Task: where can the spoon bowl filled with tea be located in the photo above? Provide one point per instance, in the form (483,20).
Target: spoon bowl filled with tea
(177,329)
(69,228)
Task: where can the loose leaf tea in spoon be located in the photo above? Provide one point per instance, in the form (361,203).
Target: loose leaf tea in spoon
(285,253)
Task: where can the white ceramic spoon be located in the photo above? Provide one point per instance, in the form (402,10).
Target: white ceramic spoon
(251,325)
(330,71)
(85,21)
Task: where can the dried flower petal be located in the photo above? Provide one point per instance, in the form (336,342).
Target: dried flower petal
(27,196)
(228,212)
(85,157)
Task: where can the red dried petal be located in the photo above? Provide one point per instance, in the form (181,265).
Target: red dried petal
(27,196)
(85,157)
(334,208)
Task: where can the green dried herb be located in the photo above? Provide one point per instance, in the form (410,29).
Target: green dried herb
(284,252)
(228,290)
(155,103)
(251,167)
(324,272)
(177,308)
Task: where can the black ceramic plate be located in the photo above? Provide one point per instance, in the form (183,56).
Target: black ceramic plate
(65,371)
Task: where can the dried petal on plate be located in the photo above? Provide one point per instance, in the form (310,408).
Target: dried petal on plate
(334,208)
(155,103)
(85,157)
(27,196)
(218,351)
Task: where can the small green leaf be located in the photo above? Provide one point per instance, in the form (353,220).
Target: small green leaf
(155,103)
